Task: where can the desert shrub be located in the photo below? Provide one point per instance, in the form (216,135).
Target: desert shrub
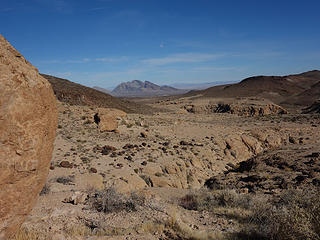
(222,108)
(190,202)
(45,190)
(147,179)
(109,200)
(65,180)
(295,216)
(206,200)
(25,234)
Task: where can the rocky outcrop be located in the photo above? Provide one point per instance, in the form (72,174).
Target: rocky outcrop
(243,107)
(271,172)
(314,108)
(191,171)
(251,110)
(106,118)
(28,120)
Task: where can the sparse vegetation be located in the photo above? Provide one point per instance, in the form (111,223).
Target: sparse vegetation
(109,200)
(295,214)
(65,180)
(24,234)
(205,200)
(45,190)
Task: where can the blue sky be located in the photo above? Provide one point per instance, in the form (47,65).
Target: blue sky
(105,42)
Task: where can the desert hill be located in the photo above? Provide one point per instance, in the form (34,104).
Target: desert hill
(101,89)
(77,94)
(308,96)
(314,108)
(137,88)
(292,89)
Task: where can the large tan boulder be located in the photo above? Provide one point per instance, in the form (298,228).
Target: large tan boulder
(125,181)
(106,118)
(28,120)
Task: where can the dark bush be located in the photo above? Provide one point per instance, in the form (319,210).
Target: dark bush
(109,200)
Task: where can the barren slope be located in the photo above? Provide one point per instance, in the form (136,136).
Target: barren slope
(76,94)
(293,89)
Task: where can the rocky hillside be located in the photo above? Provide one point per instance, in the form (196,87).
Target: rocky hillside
(308,96)
(76,94)
(137,88)
(298,89)
(242,107)
(314,108)
(101,89)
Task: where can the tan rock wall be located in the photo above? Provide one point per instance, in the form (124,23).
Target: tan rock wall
(28,120)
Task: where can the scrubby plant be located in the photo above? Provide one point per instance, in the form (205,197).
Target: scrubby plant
(65,180)
(295,216)
(45,190)
(206,200)
(109,200)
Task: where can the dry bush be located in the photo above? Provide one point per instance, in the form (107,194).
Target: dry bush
(24,234)
(176,229)
(295,216)
(109,200)
(65,180)
(206,200)
(190,202)
(45,190)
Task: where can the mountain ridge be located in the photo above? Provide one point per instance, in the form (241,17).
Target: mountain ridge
(299,89)
(138,88)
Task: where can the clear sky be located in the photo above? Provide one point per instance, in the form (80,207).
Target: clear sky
(105,42)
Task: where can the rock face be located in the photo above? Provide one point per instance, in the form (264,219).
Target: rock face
(28,120)
(242,107)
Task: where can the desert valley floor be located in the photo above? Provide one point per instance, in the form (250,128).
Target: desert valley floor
(177,173)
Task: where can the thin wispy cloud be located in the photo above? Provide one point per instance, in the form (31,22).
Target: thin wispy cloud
(83,60)
(60,74)
(96,9)
(215,69)
(258,54)
(6,9)
(127,14)
(119,59)
(86,60)
(182,58)
(60,6)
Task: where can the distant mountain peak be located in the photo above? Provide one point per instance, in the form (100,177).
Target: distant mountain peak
(138,88)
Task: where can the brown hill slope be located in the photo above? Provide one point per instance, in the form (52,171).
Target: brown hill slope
(308,96)
(314,108)
(76,94)
(278,89)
